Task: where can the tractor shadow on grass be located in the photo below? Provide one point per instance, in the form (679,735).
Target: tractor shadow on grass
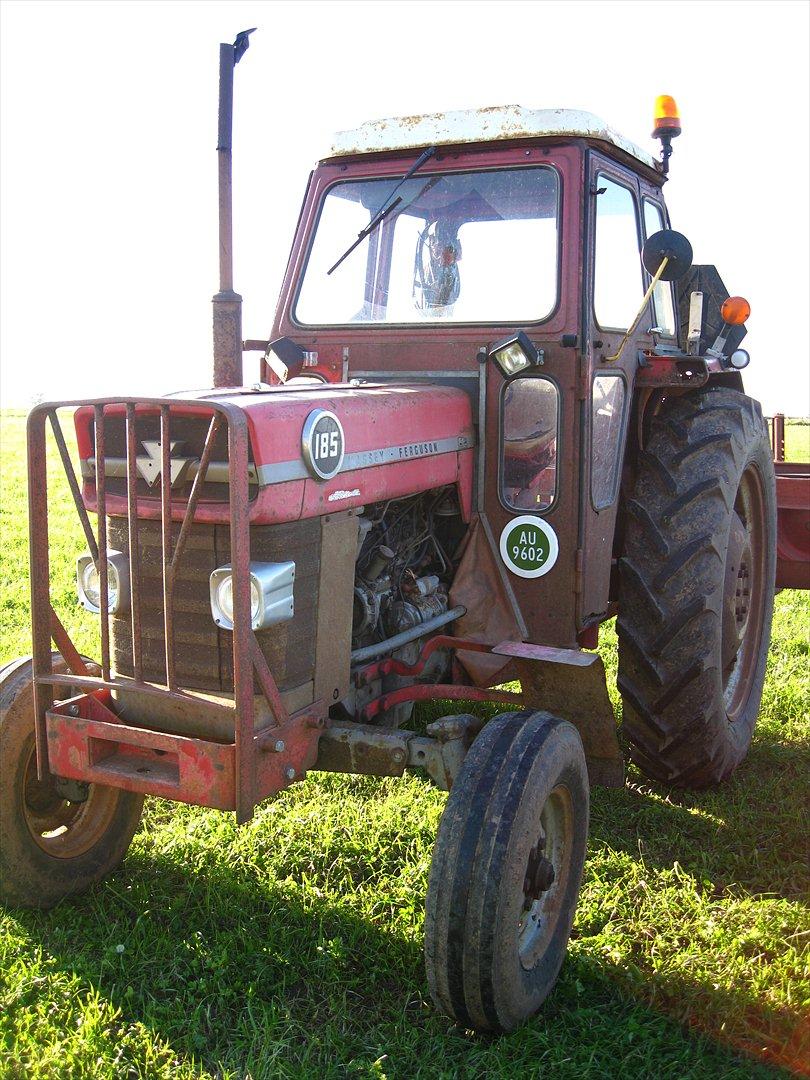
(746,836)
(242,976)
(277,978)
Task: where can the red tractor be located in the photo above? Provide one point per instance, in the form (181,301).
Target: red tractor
(498,407)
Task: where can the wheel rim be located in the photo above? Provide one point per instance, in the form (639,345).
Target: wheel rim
(743,593)
(546,878)
(61,828)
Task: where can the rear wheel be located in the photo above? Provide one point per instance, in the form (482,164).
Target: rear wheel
(506,871)
(56,838)
(696,588)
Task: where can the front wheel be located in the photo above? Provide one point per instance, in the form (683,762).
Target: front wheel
(54,840)
(506,871)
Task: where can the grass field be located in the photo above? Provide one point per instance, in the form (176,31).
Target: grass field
(292,947)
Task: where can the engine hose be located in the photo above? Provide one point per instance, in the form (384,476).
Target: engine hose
(371,652)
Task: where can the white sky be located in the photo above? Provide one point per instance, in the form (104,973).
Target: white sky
(108,183)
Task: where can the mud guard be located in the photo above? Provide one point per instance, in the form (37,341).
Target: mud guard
(579,695)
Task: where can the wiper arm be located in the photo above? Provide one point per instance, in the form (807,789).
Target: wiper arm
(386,207)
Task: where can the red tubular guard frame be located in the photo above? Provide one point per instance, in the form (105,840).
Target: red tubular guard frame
(74,739)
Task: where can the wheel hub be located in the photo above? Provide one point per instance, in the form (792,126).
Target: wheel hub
(65,821)
(737,589)
(539,875)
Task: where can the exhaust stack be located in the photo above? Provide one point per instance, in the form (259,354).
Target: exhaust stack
(227,303)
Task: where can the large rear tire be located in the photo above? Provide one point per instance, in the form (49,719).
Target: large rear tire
(696,588)
(506,871)
(51,846)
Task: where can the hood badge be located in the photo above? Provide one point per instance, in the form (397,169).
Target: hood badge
(149,465)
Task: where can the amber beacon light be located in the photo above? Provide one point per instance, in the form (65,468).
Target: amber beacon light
(666,126)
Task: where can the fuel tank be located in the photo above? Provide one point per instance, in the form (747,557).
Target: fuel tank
(314,449)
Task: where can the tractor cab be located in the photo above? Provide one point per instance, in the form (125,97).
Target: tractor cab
(500,250)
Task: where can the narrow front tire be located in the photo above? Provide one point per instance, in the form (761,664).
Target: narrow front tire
(506,871)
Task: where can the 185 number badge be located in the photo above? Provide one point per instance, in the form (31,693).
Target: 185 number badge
(322,444)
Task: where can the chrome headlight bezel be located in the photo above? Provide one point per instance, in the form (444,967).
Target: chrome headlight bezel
(271,594)
(118,594)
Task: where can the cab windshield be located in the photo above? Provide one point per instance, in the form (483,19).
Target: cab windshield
(464,247)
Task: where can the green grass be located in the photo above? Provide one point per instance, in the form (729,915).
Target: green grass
(292,947)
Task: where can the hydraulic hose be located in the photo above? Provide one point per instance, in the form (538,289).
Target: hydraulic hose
(371,652)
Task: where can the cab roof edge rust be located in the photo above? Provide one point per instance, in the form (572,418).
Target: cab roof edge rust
(494,123)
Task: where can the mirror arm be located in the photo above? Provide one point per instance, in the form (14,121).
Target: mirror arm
(641,310)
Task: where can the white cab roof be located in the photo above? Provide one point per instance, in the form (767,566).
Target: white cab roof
(498,122)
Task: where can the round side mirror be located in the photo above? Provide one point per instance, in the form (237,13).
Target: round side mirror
(667,244)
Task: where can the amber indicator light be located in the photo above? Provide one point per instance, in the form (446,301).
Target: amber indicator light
(735,310)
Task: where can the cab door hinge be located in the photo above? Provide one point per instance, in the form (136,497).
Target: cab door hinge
(579,565)
(583,380)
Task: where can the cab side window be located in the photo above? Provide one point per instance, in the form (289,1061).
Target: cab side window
(618,280)
(663,304)
(530,411)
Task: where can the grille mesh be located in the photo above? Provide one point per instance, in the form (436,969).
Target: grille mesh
(203,652)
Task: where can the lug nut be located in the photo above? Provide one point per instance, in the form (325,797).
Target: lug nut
(289,772)
(279,746)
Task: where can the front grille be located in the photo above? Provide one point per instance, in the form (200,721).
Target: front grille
(203,652)
(187,435)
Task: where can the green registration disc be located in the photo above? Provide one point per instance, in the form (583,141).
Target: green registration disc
(529,546)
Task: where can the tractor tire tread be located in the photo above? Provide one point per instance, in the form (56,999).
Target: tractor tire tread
(671,575)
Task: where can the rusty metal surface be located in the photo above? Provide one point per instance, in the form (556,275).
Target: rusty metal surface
(68,650)
(393,666)
(196,489)
(102,561)
(166,538)
(333,641)
(579,695)
(267,682)
(524,650)
(685,371)
(793,524)
(39,558)
(488,124)
(67,465)
(363,748)
(133,538)
(479,586)
(374,751)
(778,436)
(87,741)
(437,692)
(227,312)
(304,729)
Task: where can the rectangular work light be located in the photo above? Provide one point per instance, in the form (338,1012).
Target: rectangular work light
(271,594)
(515,353)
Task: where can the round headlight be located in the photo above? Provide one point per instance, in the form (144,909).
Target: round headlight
(224,599)
(90,585)
(740,359)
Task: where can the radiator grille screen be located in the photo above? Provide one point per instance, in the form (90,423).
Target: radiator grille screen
(203,652)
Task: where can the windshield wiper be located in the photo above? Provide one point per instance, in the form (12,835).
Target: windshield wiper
(387,206)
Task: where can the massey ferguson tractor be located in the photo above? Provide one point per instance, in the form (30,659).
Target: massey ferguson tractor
(498,407)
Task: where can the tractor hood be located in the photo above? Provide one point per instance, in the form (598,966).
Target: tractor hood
(314,449)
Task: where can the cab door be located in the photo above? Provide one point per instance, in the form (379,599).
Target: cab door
(615,284)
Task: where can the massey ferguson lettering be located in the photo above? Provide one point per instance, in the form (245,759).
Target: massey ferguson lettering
(419,449)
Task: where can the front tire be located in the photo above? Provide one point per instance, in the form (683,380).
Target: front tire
(696,588)
(506,871)
(50,846)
